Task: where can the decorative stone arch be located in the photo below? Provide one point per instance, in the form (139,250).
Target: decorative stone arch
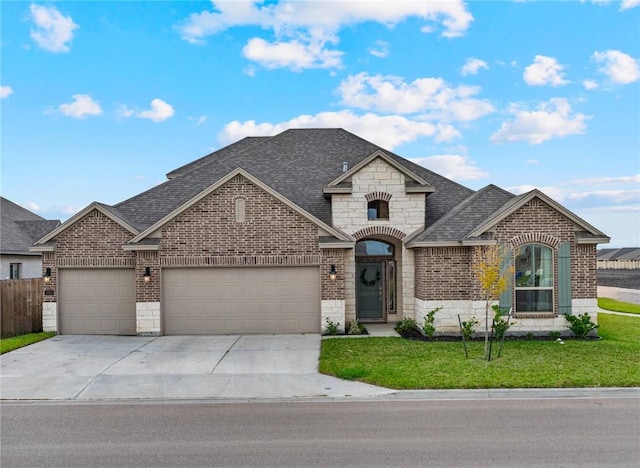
(378,196)
(373,231)
(535,238)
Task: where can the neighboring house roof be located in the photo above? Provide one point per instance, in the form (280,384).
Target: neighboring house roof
(627,253)
(21,228)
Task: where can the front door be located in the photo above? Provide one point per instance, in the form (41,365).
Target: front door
(369,290)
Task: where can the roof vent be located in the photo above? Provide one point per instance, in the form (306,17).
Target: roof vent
(345,166)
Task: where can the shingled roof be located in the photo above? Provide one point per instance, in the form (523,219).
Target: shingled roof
(21,228)
(466,216)
(297,163)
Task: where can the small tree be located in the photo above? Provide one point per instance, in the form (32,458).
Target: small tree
(488,269)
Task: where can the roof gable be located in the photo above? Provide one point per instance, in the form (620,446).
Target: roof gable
(219,183)
(106,210)
(593,235)
(379,154)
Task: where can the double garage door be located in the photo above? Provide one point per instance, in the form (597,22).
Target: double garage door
(198,301)
(240,300)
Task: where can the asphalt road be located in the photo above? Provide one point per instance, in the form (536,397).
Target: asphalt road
(498,433)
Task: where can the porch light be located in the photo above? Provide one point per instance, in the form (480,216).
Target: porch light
(332,273)
(147,274)
(47,275)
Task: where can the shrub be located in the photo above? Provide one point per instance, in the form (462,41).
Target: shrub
(468,328)
(500,326)
(428,328)
(407,327)
(355,328)
(332,327)
(555,334)
(580,325)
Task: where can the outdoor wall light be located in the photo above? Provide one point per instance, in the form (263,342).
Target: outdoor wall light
(147,274)
(47,275)
(332,273)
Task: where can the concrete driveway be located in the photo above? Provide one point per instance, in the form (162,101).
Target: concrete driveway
(78,367)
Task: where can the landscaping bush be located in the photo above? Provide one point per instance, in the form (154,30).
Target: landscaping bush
(580,325)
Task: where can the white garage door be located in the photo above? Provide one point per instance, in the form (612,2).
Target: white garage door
(97,301)
(201,301)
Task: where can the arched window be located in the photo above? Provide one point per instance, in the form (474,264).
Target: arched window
(373,248)
(378,209)
(534,278)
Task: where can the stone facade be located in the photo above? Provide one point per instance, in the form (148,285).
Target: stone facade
(406,210)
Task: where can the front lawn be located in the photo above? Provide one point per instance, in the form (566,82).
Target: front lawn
(618,306)
(15,342)
(403,364)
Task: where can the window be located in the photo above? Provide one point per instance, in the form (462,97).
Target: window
(373,248)
(534,278)
(378,209)
(14,271)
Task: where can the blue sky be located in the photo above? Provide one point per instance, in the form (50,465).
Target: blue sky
(101,99)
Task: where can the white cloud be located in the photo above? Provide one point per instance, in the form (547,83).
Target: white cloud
(380,50)
(544,71)
(626,4)
(82,105)
(123,111)
(159,111)
(5,91)
(387,131)
(294,54)
(433,98)
(618,66)
(472,66)
(590,84)
(453,166)
(31,206)
(53,31)
(305,28)
(533,162)
(551,119)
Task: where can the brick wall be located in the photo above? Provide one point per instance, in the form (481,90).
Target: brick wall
(332,289)
(209,228)
(93,241)
(443,273)
(147,292)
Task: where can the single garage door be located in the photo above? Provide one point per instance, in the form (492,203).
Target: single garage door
(97,301)
(204,301)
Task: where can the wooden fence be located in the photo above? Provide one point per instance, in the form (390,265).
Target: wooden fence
(20,306)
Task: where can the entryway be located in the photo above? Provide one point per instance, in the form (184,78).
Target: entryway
(375,280)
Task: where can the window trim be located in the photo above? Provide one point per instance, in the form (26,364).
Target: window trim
(18,270)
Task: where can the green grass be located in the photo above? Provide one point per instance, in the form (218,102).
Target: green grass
(15,342)
(404,364)
(618,306)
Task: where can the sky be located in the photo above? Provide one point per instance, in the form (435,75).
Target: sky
(99,100)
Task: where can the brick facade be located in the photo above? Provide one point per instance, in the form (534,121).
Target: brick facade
(95,241)
(444,273)
(209,228)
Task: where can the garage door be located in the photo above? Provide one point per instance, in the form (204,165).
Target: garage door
(241,300)
(97,302)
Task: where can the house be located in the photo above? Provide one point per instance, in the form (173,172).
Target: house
(19,229)
(619,259)
(278,234)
